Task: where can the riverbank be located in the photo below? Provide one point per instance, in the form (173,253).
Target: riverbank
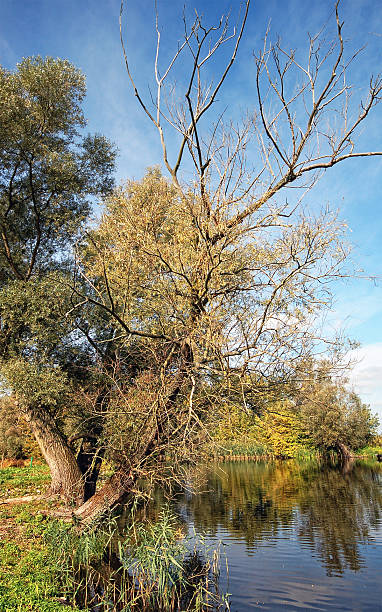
(47,565)
(232,451)
(30,578)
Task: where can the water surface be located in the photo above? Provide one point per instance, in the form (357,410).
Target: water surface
(297,536)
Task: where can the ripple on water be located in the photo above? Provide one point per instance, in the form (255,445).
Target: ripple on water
(298,537)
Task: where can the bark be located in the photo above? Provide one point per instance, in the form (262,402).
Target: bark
(89,460)
(67,479)
(113,493)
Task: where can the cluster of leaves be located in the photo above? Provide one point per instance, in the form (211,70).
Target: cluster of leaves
(48,171)
(318,411)
(278,430)
(16,439)
(331,413)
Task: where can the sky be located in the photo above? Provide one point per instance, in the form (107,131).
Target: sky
(86,32)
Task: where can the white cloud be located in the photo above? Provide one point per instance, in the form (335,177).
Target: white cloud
(366,375)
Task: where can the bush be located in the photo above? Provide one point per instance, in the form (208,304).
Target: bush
(16,439)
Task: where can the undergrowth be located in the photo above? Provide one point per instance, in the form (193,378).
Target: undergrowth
(27,577)
(150,567)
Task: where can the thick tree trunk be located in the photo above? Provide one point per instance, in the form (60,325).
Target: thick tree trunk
(67,479)
(89,460)
(346,458)
(113,493)
(117,488)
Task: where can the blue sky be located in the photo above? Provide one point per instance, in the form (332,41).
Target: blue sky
(87,33)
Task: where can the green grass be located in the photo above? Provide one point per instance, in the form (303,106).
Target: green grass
(157,571)
(369,451)
(27,576)
(27,581)
(17,482)
(47,565)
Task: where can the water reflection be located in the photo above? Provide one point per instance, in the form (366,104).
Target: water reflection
(333,513)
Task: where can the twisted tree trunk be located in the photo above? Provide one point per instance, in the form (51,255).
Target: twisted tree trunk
(343,451)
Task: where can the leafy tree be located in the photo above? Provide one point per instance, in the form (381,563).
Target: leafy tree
(48,173)
(16,439)
(334,417)
(212,277)
(184,282)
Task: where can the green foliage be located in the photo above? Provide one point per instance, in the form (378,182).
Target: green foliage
(32,316)
(47,170)
(331,414)
(284,430)
(369,451)
(13,436)
(48,174)
(277,430)
(317,412)
(148,567)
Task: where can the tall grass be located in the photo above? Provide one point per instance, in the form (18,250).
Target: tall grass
(151,567)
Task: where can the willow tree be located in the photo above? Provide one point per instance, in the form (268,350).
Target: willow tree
(333,416)
(204,282)
(216,281)
(48,172)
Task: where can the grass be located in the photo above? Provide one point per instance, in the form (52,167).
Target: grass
(16,482)
(47,565)
(150,567)
(369,451)
(27,577)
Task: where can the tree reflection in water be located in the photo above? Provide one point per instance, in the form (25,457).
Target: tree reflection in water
(332,511)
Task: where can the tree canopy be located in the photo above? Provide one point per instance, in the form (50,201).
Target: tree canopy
(48,169)
(191,289)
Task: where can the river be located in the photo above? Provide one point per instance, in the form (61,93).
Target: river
(297,536)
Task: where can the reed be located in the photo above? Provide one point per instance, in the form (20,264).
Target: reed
(150,567)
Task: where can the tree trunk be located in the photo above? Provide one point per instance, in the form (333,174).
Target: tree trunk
(89,461)
(343,451)
(113,492)
(116,489)
(67,479)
